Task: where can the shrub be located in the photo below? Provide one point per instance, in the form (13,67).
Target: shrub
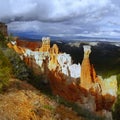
(20,70)
(3,40)
(5,71)
(116,108)
(4,77)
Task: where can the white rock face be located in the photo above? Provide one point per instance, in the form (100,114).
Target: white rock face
(110,85)
(86,47)
(75,70)
(13,42)
(64,61)
(28,52)
(69,69)
(87,50)
(38,56)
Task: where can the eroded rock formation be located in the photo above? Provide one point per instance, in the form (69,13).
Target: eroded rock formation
(45,44)
(75,82)
(28,44)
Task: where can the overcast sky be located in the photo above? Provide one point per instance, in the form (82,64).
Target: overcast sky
(93,18)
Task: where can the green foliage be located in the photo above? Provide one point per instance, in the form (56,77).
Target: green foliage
(3,40)
(4,77)
(118,79)
(5,71)
(49,107)
(116,108)
(20,70)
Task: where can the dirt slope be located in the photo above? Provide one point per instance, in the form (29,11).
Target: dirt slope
(21,101)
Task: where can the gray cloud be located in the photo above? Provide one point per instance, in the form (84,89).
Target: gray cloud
(61,16)
(54,10)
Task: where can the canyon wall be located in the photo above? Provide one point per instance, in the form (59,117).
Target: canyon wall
(74,82)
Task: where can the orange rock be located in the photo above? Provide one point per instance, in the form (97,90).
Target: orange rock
(45,45)
(86,76)
(33,45)
(10,45)
(86,70)
(19,50)
(53,57)
(54,49)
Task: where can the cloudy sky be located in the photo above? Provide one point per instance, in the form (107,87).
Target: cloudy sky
(62,18)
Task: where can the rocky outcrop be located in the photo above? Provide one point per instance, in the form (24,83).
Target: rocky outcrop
(18,49)
(3,29)
(54,51)
(74,82)
(86,70)
(28,44)
(45,44)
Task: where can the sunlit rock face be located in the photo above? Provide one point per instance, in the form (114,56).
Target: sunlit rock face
(28,44)
(74,82)
(16,48)
(110,86)
(45,44)
(53,63)
(66,66)
(86,70)
(75,70)
(64,61)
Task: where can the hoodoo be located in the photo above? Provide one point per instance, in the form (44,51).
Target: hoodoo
(74,82)
(86,70)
